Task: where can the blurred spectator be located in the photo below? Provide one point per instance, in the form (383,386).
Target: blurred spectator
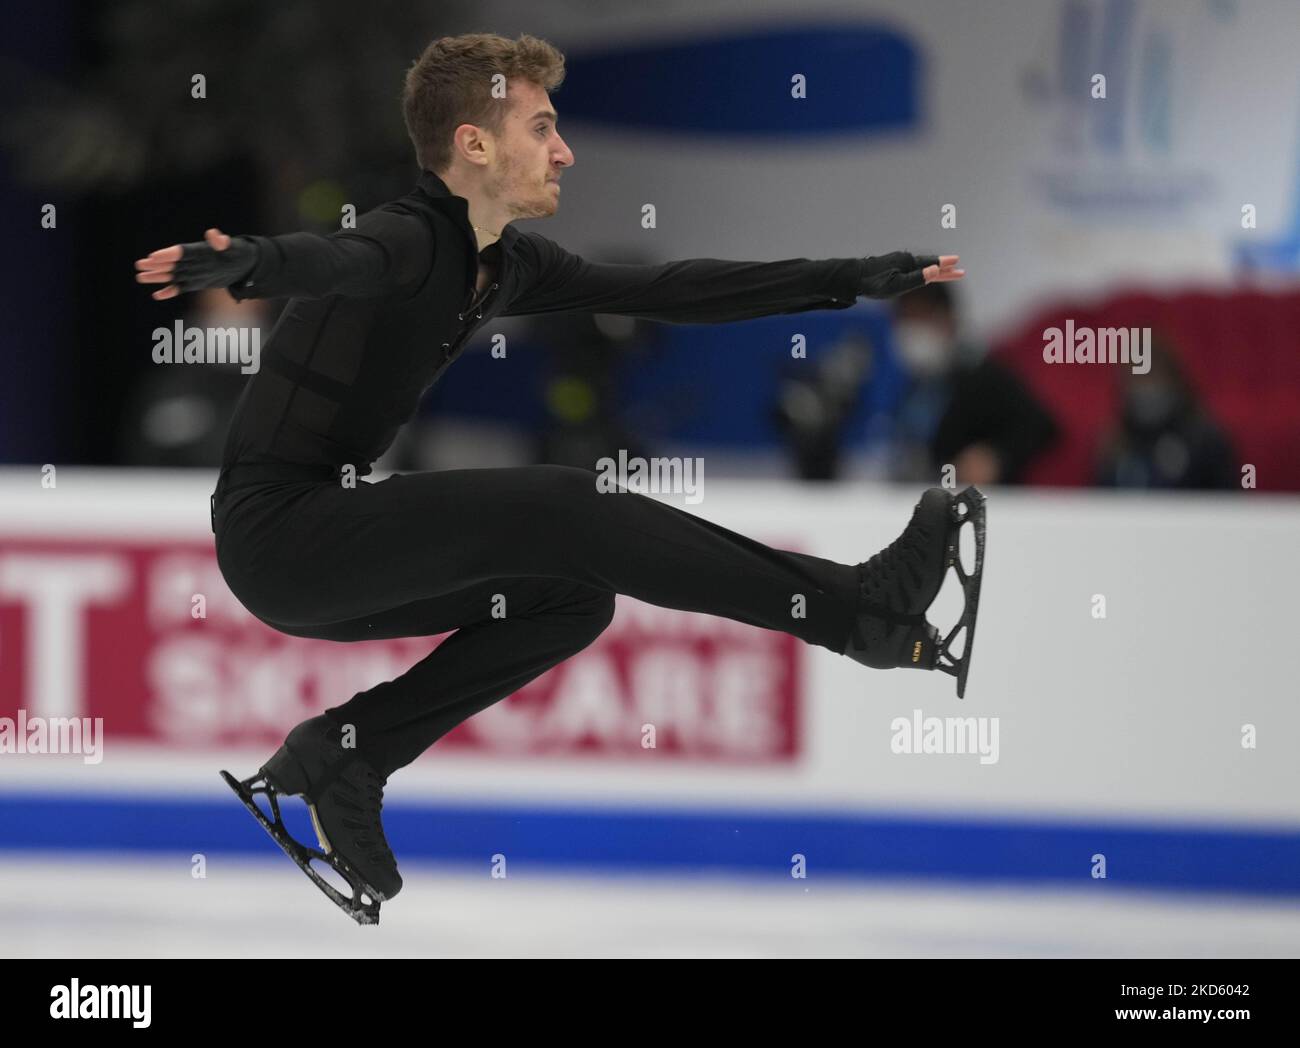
(584,351)
(1164,438)
(812,411)
(960,407)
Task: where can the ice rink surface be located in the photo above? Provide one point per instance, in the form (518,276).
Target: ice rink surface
(91,905)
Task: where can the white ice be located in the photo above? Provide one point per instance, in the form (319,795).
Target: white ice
(104,905)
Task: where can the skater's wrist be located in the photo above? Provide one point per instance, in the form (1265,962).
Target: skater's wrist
(255,270)
(885,276)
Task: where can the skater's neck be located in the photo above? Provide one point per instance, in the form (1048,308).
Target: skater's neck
(488,216)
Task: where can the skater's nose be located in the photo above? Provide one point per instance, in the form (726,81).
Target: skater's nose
(563,157)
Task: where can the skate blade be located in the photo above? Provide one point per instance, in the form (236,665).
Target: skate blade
(357,907)
(969,505)
(321,839)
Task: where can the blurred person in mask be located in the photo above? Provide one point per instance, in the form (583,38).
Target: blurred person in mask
(1164,437)
(960,407)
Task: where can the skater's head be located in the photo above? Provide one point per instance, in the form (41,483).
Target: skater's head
(926,330)
(478,111)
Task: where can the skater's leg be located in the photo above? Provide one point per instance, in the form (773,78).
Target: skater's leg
(331,553)
(514,630)
(543,622)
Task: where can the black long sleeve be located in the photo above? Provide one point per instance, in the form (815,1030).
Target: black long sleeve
(991,406)
(692,291)
(388,252)
(378,313)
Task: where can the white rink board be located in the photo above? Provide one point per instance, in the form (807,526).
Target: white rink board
(1137,715)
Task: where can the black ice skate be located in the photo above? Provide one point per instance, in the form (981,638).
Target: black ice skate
(344,796)
(899,583)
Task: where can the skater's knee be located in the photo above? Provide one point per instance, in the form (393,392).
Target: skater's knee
(602,609)
(596,608)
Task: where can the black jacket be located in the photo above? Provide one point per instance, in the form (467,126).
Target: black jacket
(990,405)
(378,312)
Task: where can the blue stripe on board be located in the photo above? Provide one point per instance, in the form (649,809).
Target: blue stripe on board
(861,78)
(1154,856)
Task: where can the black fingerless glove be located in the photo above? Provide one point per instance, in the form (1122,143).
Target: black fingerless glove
(884,276)
(203,266)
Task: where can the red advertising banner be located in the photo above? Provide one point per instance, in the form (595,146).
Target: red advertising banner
(146,635)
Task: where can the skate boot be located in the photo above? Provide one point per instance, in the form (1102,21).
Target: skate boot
(899,584)
(344,796)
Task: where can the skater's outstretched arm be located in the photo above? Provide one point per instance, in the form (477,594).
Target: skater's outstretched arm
(710,290)
(387,252)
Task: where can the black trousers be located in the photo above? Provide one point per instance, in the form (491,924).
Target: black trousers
(523,563)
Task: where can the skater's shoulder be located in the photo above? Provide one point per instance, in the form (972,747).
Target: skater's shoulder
(533,246)
(395,220)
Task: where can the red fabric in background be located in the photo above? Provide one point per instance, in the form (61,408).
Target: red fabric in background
(1239,349)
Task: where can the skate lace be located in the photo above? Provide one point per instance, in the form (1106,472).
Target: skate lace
(369,825)
(883,578)
(882,572)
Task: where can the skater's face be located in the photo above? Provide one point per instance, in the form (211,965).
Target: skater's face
(529,155)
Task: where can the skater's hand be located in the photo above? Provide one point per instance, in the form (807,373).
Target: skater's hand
(216,261)
(978,464)
(885,276)
(943,271)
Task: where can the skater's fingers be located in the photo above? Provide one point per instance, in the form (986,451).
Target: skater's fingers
(941,275)
(160,276)
(168,292)
(163,254)
(219,240)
